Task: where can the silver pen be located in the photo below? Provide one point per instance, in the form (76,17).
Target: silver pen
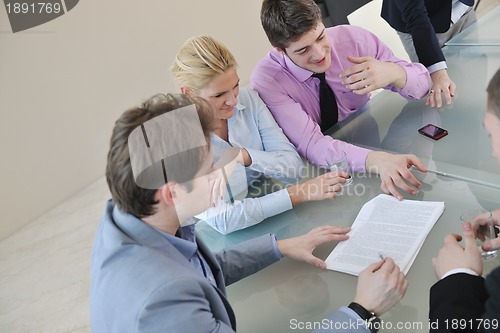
(465,179)
(453,176)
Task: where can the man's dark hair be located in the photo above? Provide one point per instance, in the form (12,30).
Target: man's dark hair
(494,94)
(285,21)
(125,192)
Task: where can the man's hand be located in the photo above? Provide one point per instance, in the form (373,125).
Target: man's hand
(380,286)
(322,187)
(370,74)
(223,170)
(394,171)
(441,84)
(493,244)
(453,255)
(301,248)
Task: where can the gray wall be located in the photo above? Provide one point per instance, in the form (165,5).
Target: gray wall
(64,83)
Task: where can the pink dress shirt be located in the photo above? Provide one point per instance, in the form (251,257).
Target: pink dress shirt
(292,95)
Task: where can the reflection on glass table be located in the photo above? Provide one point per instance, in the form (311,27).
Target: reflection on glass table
(288,292)
(391,123)
(483,32)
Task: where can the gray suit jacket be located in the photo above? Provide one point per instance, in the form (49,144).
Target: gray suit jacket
(141,283)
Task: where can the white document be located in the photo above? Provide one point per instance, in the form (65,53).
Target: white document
(385,227)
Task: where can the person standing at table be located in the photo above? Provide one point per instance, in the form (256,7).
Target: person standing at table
(149,271)
(424,26)
(476,305)
(315,77)
(204,67)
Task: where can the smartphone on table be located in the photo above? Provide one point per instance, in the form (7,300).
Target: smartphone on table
(433,131)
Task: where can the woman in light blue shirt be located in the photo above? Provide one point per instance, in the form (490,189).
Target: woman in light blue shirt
(204,67)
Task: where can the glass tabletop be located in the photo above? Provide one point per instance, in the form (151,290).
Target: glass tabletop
(390,123)
(290,294)
(484,32)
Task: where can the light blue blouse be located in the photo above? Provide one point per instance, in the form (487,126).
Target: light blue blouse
(253,127)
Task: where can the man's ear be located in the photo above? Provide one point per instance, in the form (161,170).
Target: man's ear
(280,50)
(168,193)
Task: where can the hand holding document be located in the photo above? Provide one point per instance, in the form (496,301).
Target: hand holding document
(385,227)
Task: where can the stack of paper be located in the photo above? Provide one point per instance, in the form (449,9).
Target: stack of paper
(385,227)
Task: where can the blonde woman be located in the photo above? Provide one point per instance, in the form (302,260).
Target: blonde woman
(204,67)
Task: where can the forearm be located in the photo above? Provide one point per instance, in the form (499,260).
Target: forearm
(283,165)
(373,161)
(227,218)
(247,159)
(447,304)
(246,258)
(418,81)
(400,78)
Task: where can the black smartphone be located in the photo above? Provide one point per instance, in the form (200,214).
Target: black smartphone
(433,132)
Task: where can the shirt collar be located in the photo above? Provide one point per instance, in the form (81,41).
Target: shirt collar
(239,107)
(184,240)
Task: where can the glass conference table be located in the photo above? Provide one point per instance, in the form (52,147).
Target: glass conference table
(289,295)
(485,32)
(389,122)
(277,298)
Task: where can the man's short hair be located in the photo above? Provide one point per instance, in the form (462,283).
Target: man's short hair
(285,21)
(125,192)
(494,94)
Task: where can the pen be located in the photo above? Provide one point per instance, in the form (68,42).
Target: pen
(465,179)
(470,180)
(381,256)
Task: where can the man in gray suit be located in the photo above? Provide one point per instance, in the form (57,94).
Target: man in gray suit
(149,271)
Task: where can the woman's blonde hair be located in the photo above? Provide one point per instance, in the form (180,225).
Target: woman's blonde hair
(199,60)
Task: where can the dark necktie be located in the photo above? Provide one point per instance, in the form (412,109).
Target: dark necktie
(327,103)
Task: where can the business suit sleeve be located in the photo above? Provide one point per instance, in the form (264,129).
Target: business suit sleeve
(492,313)
(180,305)
(418,24)
(344,320)
(246,258)
(459,296)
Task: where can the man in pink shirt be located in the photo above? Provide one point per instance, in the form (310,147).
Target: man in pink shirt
(355,63)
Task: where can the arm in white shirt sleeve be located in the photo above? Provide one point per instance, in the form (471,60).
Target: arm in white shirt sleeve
(226,218)
(279,160)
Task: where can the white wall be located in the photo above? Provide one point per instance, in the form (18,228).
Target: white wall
(368,17)
(64,83)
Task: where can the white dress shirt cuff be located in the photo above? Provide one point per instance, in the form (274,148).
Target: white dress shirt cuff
(459,270)
(275,203)
(437,66)
(458,10)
